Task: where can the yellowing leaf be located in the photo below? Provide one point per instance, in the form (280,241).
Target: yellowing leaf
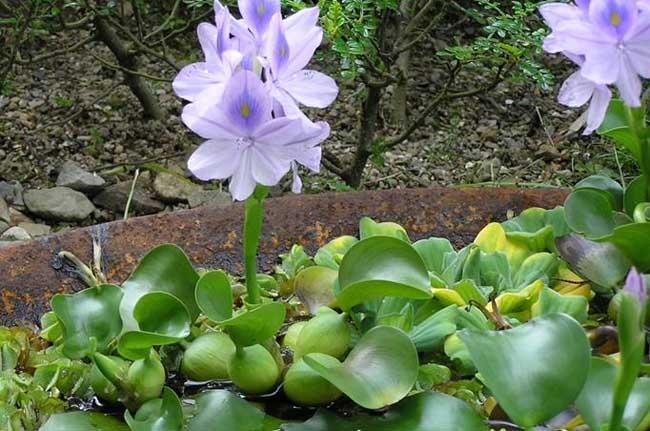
(519,304)
(493,238)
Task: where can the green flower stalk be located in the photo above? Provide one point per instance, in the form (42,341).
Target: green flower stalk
(252,232)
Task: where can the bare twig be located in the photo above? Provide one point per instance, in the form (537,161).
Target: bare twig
(27,16)
(126,70)
(128,201)
(56,52)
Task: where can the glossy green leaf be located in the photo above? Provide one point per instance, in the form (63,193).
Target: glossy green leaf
(256,325)
(427,411)
(537,227)
(429,335)
(633,240)
(161,318)
(369,228)
(382,266)
(330,254)
(166,268)
(83,421)
(635,194)
(590,212)
(436,253)
(606,184)
(214,296)
(539,266)
(90,319)
(616,126)
(535,370)
(595,401)
(223,410)
(380,370)
(314,286)
(551,302)
(163,414)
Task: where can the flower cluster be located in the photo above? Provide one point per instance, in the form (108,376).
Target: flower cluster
(246,96)
(610,41)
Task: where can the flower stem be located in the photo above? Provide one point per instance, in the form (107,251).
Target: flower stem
(252,231)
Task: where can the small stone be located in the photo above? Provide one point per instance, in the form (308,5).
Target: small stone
(115,197)
(35,229)
(173,189)
(5,216)
(15,234)
(12,193)
(71,175)
(548,152)
(209,198)
(58,204)
(16,217)
(3,226)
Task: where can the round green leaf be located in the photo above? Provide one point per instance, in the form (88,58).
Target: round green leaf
(380,370)
(83,421)
(427,411)
(90,319)
(224,408)
(551,302)
(368,228)
(314,286)
(590,212)
(595,400)
(164,414)
(331,253)
(535,370)
(162,319)
(606,184)
(256,325)
(436,253)
(166,268)
(635,193)
(382,266)
(633,240)
(214,296)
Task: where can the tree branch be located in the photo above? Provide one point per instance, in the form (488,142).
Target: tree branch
(55,53)
(127,70)
(164,25)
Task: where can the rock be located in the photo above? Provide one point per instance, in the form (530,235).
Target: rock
(5,215)
(12,193)
(3,226)
(71,175)
(16,217)
(35,230)
(173,189)
(209,198)
(488,170)
(58,204)
(114,198)
(15,234)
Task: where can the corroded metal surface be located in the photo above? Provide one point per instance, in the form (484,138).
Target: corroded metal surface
(30,273)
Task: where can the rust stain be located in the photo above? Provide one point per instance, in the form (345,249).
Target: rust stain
(211,235)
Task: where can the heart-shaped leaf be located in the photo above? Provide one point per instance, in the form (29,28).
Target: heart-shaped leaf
(166,268)
(90,319)
(436,253)
(535,370)
(590,212)
(164,414)
(596,399)
(381,266)
(162,319)
(83,421)
(380,370)
(331,253)
(214,296)
(314,286)
(551,302)
(225,409)
(256,325)
(633,240)
(369,228)
(427,411)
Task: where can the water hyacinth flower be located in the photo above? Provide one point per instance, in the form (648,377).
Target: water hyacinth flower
(244,142)
(635,285)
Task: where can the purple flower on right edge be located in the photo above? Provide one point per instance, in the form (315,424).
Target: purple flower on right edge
(610,41)
(635,285)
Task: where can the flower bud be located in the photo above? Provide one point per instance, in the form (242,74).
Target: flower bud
(290,339)
(146,378)
(306,387)
(327,333)
(253,369)
(207,357)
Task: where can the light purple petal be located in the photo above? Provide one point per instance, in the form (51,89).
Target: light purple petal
(246,102)
(214,159)
(223,21)
(553,44)
(582,37)
(615,17)
(208,38)
(644,5)
(301,23)
(597,108)
(193,79)
(296,185)
(576,90)
(277,48)
(554,13)
(209,122)
(577,59)
(258,13)
(268,166)
(242,183)
(637,45)
(635,285)
(629,83)
(278,132)
(583,5)
(311,88)
(303,49)
(603,66)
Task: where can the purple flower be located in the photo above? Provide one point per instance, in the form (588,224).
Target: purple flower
(635,284)
(578,90)
(206,81)
(244,142)
(615,42)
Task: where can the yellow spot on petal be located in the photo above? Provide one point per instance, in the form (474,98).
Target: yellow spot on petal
(261,8)
(245,110)
(615,19)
